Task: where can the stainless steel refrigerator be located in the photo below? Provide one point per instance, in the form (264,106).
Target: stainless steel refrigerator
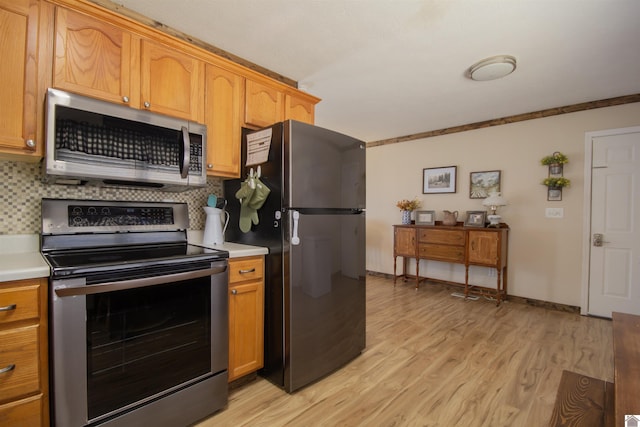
(313,223)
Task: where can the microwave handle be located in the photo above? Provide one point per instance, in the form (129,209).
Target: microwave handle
(186,153)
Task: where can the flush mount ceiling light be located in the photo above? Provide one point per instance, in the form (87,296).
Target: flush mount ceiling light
(492,68)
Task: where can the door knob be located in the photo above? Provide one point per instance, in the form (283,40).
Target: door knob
(598,239)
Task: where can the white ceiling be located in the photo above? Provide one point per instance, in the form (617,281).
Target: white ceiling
(390,68)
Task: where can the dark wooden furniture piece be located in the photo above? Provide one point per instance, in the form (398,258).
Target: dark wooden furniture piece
(626,362)
(584,401)
(486,247)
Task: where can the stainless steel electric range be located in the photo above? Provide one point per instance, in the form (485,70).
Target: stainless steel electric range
(138,317)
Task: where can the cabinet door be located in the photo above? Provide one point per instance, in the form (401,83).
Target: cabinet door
(483,248)
(404,242)
(95,58)
(224,99)
(298,109)
(171,83)
(246,339)
(263,104)
(18,75)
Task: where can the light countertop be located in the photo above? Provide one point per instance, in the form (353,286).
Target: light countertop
(20,256)
(236,250)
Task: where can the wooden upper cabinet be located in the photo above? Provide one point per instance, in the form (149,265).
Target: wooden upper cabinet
(103,60)
(19,78)
(172,83)
(224,100)
(263,104)
(299,109)
(95,58)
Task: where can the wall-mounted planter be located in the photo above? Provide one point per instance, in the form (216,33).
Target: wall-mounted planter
(555,180)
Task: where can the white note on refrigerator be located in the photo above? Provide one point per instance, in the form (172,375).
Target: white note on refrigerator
(258,145)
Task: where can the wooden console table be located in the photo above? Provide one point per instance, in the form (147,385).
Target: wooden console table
(486,247)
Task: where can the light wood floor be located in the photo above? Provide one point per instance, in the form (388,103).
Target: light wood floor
(436,360)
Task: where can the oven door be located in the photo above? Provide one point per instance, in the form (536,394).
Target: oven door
(120,348)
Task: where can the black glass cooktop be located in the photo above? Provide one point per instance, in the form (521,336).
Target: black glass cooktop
(67,262)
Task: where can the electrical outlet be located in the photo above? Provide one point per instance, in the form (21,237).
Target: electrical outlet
(554,212)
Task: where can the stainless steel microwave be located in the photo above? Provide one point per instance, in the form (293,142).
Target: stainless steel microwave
(93,142)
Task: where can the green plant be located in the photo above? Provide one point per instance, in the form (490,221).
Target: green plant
(556,158)
(408,205)
(556,182)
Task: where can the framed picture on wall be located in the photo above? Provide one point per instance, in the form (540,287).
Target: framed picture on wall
(439,180)
(481,184)
(425,217)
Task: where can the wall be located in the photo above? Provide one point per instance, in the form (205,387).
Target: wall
(21,191)
(545,254)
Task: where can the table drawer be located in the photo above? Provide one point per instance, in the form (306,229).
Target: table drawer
(19,356)
(442,252)
(19,303)
(242,269)
(441,237)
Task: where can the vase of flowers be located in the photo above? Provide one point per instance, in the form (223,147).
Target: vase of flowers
(406,207)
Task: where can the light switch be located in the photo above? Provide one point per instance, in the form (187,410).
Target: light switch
(554,212)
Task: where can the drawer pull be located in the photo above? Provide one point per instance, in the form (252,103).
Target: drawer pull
(8,307)
(253,270)
(7,369)
(234,291)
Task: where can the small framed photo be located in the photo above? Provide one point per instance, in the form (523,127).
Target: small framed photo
(481,184)
(475,218)
(439,180)
(425,217)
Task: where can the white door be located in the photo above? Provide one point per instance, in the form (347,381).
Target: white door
(614,238)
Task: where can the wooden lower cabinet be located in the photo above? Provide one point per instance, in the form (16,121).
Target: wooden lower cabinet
(485,247)
(23,353)
(246,315)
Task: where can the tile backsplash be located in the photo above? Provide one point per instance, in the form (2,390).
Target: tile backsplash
(22,189)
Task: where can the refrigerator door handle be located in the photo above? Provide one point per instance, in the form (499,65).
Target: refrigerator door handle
(295,240)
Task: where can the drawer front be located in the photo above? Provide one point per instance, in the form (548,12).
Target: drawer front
(25,412)
(441,237)
(20,349)
(243,269)
(442,253)
(19,303)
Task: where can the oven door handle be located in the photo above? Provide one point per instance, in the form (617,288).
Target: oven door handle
(136,283)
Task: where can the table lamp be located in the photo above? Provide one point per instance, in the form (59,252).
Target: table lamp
(494,201)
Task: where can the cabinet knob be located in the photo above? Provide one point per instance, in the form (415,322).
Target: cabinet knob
(209,166)
(234,291)
(147,104)
(30,143)
(125,99)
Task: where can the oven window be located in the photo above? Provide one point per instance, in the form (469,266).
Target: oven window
(144,341)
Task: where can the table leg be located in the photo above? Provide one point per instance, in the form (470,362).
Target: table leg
(395,261)
(466,280)
(498,287)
